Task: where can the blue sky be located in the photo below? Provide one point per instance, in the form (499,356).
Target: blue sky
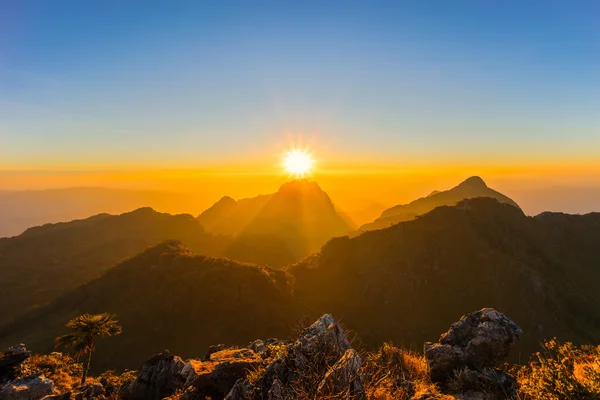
(115,83)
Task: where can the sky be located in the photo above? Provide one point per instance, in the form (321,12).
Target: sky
(231,84)
(393,98)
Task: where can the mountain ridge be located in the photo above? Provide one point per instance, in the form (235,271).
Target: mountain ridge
(400,283)
(471,187)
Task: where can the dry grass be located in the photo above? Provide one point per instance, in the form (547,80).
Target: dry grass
(561,371)
(394,373)
(61,368)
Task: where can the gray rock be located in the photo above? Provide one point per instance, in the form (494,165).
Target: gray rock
(160,377)
(242,390)
(11,360)
(477,341)
(89,391)
(345,379)
(258,346)
(319,347)
(32,387)
(213,349)
(215,378)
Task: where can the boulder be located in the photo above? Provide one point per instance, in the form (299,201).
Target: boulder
(242,390)
(318,348)
(213,349)
(215,378)
(89,391)
(345,379)
(11,360)
(477,341)
(259,346)
(33,387)
(159,377)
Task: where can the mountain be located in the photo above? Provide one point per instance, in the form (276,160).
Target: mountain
(23,209)
(228,216)
(302,215)
(471,188)
(279,228)
(406,281)
(47,261)
(168,297)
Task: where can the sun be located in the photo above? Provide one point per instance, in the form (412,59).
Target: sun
(298,163)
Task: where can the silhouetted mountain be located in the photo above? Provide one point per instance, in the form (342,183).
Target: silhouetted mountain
(302,215)
(471,188)
(20,210)
(279,228)
(50,260)
(230,217)
(261,249)
(406,281)
(168,297)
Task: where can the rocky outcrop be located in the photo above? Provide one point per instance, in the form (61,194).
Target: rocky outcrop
(10,362)
(476,342)
(160,377)
(213,349)
(32,387)
(345,379)
(319,364)
(242,389)
(216,377)
(320,347)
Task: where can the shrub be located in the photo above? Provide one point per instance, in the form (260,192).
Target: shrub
(61,368)
(561,371)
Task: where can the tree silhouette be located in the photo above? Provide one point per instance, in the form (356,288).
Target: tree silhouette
(85,328)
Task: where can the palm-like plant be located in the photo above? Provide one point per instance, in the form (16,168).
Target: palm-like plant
(85,329)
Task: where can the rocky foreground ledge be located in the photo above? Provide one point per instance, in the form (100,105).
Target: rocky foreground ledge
(319,364)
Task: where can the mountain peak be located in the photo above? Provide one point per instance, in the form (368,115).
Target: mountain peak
(473,182)
(300,186)
(226,200)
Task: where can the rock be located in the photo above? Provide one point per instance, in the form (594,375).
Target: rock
(11,360)
(89,391)
(213,349)
(442,360)
(242,390)
(319,347)
(276,392)
(345,379)
(64,396)
(215,378)
(33,387)
(266,348)
(258,346)
(477,341)
(324,335)
(160,377)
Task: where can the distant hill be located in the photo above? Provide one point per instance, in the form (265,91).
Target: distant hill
(168,297)
(471,188)
(23,209)
(408,281)
(47,261)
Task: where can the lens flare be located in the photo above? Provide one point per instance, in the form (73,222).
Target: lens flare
(298,163)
